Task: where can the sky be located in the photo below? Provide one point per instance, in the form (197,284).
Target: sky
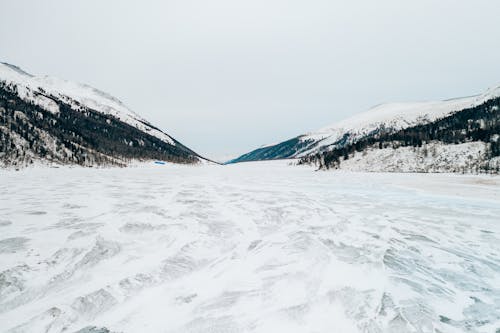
(227,76)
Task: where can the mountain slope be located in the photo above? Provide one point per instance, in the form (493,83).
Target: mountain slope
(464,141)
(49,119)
(465,119)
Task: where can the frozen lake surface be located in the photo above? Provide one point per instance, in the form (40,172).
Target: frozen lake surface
(252,247)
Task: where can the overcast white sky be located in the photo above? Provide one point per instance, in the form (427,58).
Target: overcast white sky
(226,76)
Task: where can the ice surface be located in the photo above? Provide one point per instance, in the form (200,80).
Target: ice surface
(249,247)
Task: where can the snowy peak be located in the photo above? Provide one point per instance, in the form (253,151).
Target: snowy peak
(15,68)
(38,88)
(490,93)
(399,115)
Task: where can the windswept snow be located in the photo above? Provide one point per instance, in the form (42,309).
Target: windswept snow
(249,247)
(42,89)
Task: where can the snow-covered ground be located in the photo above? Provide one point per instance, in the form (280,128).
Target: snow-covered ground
(259,247)
(431,157)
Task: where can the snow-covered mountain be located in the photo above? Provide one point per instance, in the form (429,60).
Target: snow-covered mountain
(46,118)
(345,137)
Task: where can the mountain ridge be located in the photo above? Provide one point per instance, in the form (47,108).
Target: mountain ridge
(386,118)
(102,130)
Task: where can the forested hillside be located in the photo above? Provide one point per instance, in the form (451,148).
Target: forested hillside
(477,124)
(56,121)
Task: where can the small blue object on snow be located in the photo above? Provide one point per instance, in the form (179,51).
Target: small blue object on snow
(160,162)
